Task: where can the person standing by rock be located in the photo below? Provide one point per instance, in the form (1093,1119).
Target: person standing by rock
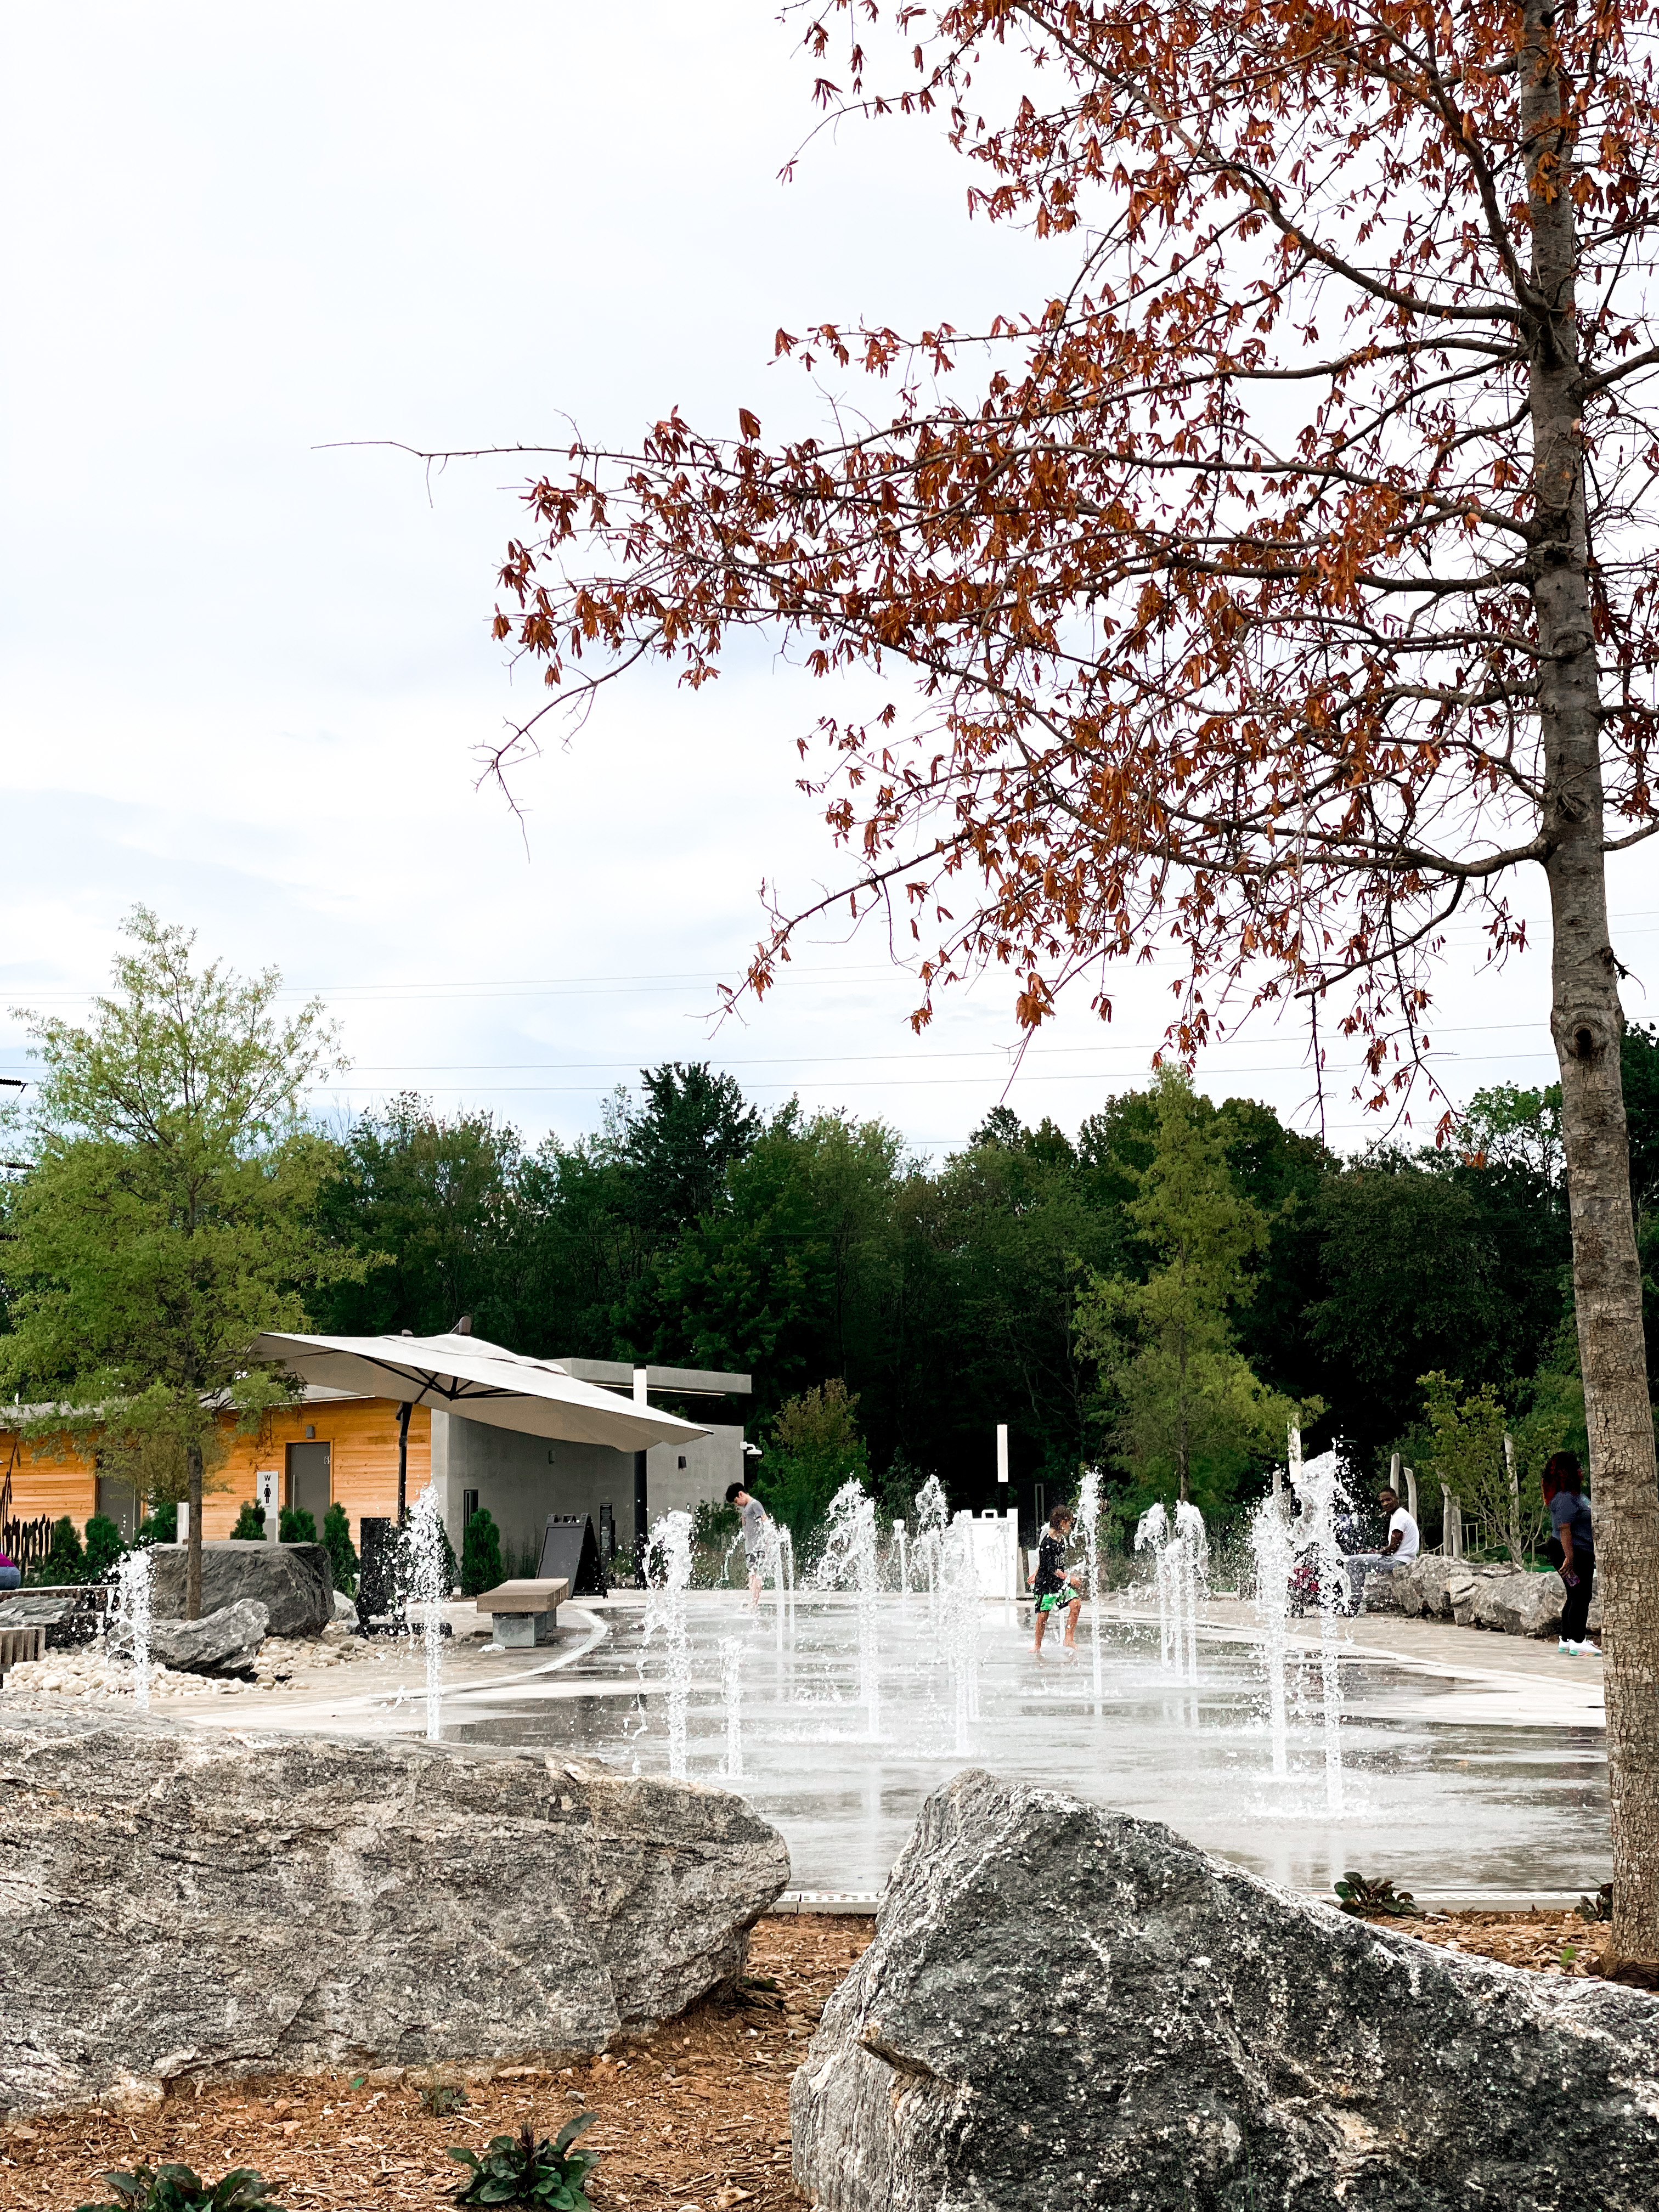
(1572,1548)
(1055,1590)
(757,1532)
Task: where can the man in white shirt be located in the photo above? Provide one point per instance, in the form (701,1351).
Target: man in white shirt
(1404,1542)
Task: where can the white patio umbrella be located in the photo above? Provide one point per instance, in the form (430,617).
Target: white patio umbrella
(460,1373)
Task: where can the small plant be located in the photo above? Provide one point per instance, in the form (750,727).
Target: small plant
(250,1524)
(519,2170)
(1568,1952)
(441,2099)
(1599,1907)
(295,1525)
(176,2189)
(341,1556)
(1360,1895)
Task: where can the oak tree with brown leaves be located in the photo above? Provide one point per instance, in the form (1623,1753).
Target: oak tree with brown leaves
(1279,588)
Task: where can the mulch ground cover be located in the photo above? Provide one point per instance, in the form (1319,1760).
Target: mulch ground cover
(696,2117)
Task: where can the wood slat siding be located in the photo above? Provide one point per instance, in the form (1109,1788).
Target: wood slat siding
(54,1478)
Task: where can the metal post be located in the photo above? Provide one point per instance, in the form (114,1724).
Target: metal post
(1411,1497)
(641,1506)
(1002,1451)
(403,1412)
(1514,1498)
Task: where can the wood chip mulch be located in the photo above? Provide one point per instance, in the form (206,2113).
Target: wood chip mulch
(1547,1942)
(698,2116)
(696,2119)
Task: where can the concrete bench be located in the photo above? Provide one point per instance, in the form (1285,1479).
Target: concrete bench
(525,1612)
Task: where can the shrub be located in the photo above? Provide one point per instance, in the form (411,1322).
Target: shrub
(176,2189)
(65,1562)
(519,2170)
(296,1525)
(250,1524)
(481,1554)
(162,1526)
(105,1546)
(337,1536)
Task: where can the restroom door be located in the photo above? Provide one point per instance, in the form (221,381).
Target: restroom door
(309,1481)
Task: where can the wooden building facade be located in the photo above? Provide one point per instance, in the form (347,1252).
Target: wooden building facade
(331,1449)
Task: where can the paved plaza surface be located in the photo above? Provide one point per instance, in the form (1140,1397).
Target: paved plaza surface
(1472,1765)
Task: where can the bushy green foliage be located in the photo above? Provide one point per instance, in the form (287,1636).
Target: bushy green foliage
(160,1525)
(105,1547)
(176,2189)
(521,2170)
(296,1525)
(481,1554)
(815,1447)
(342,1554)
(714,1525)
(65,1560)
(250,1524)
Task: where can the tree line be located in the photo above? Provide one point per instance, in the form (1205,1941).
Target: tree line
(1161,1293)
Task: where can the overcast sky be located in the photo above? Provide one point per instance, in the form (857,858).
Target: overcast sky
(248,671)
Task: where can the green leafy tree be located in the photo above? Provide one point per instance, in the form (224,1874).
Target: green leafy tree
(168,1213)
(815,1447)
(428,1204)
(1190,1415)
(481,1554)
(1468,1451)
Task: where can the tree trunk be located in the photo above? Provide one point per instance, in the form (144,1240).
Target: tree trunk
(1587,1023)
(193,1568)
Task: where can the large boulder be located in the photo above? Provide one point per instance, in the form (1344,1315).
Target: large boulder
(294,1582)
(1064,2006)
(222,1643)
(180,1905)
(1519,1604)
(1422,1587)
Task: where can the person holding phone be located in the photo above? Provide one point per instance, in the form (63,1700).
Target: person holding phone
(1572,1548)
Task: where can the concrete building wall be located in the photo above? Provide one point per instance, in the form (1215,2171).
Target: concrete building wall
(521,1479)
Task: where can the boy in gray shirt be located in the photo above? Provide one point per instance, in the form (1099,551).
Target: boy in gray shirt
(756,1524)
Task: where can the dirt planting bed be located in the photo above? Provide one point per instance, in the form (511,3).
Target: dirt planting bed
(697,2116)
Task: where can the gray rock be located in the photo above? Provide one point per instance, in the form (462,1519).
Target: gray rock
(294,1582)
(345,1608)
(1422,1588)
(185,1904)
(1519,1603)
(1067,2007)
(223,1643)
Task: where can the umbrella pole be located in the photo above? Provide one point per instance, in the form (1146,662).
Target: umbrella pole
(403,1461)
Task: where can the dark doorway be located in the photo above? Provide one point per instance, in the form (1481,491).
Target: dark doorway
(309,1483)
